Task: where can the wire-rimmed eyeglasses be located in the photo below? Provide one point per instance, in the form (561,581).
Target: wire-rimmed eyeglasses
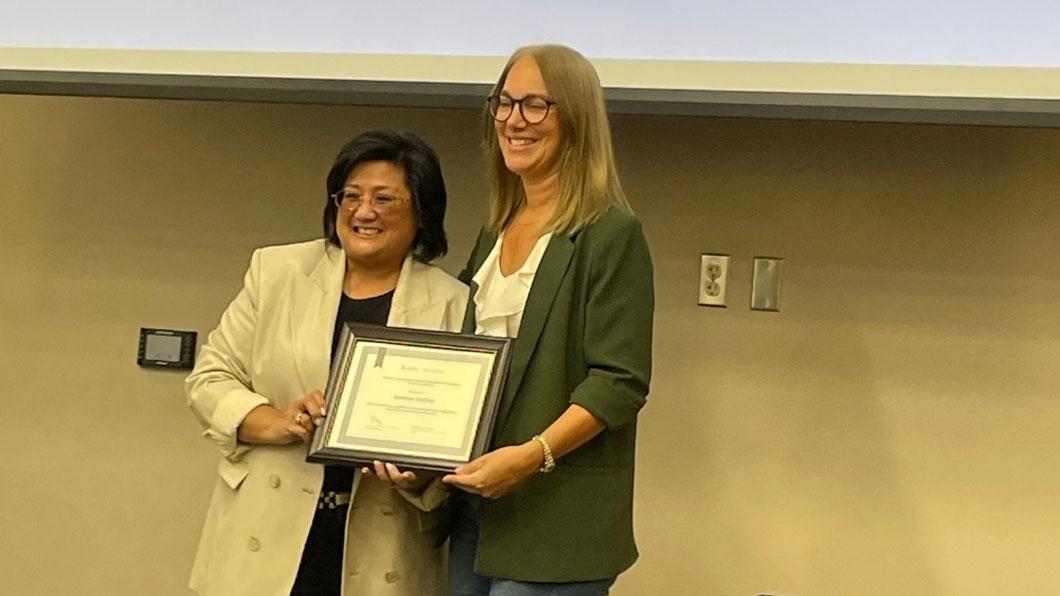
(533,108)
(353,199)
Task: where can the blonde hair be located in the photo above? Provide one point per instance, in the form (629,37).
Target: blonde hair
(588,179)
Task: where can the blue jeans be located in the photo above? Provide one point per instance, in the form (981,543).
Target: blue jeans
(463,581)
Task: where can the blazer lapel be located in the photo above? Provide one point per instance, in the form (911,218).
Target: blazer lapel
(413,306)
(483,246)
(469,314)
(314,307)
(547,280)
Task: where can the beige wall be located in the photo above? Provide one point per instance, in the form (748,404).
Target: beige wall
(893,430)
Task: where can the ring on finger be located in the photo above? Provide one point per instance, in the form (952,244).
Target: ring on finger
(298,417)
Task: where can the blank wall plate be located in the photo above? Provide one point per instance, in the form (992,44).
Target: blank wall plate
(765,283)
(713,279)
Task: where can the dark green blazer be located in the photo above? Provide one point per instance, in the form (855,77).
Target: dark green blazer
(585,338)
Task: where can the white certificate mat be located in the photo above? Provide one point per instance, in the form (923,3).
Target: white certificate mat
(411,400)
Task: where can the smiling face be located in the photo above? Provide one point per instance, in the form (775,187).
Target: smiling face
(529,150)
(375,233)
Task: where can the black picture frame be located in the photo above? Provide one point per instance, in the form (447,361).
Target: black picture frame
(348,402)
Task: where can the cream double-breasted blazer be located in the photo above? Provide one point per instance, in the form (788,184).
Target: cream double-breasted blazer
(273,346)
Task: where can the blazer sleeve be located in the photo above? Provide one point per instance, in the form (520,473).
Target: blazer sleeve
(219,388)
(617,339)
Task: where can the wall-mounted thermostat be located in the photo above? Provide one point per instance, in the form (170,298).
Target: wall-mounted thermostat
(166,348)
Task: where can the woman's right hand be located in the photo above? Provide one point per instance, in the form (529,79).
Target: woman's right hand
(394,476)
(268,425)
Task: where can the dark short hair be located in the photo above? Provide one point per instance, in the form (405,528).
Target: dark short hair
(423,176)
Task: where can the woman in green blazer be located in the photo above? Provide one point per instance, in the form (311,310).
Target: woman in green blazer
(564,268)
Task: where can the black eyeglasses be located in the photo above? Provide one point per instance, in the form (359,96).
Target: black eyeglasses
(534,108)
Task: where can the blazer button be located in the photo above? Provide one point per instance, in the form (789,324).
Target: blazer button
(391,577)
(253,545)
(274,481)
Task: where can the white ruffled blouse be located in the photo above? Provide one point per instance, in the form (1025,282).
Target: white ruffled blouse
(500,300)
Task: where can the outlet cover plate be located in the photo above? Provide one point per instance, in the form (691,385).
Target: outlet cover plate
(713,279)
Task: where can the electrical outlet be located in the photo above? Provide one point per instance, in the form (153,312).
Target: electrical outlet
(713,279)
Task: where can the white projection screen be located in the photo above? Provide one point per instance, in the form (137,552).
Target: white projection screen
(967,61)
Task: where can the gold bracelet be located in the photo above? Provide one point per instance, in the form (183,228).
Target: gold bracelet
(548,463)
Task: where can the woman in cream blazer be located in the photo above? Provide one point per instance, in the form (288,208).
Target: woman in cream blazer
(272,349)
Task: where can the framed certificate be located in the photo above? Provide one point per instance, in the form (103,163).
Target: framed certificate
(420,399)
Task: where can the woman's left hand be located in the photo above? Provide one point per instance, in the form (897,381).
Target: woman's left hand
(496,473)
